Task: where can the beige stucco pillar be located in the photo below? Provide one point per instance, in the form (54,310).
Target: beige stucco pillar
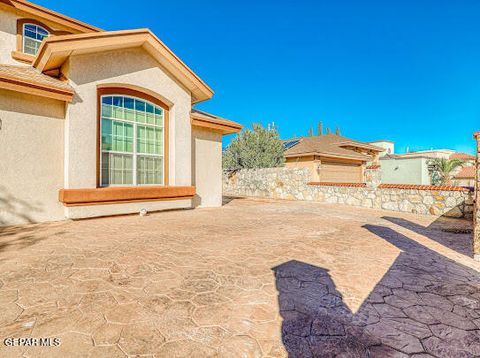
(476,210)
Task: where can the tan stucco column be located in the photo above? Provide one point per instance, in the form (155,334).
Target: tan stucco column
(476,210)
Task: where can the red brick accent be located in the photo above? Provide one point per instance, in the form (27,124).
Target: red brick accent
(358,185)
(423,187)
(373,167)
(396,186)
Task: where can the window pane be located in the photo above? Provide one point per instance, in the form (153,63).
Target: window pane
(107,100)
(107,110)
(118,101)
(106,134)
(129,115)
(30,27)
(141,139)
(30,34)
(129,103)
(128,134)
(42,31)
(128,170)
(140,105)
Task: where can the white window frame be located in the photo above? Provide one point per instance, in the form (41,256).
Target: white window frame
(24,36)
(134,153)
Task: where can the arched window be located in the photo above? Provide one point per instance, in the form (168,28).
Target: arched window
(33,36)
(132,141)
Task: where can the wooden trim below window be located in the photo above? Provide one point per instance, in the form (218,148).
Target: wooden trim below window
(118,195)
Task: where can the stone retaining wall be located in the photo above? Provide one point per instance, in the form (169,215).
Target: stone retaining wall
(292,184)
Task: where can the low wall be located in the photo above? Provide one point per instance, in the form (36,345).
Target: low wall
(293,184)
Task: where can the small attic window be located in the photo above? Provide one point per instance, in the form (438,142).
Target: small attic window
(33,36)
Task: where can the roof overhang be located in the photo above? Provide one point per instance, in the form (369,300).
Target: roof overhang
(33,88)
(366,146)
(205,120)
(49,15)
(327,155)
(55,51)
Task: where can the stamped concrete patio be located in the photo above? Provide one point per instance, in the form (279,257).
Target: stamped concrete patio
(250,279)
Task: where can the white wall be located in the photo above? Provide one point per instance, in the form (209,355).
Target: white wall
(207,167)
(405,171)
(31,158)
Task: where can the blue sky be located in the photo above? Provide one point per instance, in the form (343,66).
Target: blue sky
(407,71)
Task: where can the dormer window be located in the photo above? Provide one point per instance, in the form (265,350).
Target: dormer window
(33,36)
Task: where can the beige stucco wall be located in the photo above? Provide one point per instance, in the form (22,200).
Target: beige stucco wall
(305,162)
(132,67)
(129,67)
(8,35)
(31,158)
(207,167)
(91,211)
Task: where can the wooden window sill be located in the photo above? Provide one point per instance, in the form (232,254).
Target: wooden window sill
(118,195)
(22,57)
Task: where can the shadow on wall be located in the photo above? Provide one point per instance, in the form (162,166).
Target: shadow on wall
(17,237)
(425,303)
(13,209)
(441,231)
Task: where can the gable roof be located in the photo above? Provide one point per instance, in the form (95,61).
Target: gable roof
(28,80)
(55,51)
(466,173)
(50,15)
(462,156)
(207,120)
(330,145)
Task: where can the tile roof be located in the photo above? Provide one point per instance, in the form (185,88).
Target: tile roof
(395,186)
(204,119)
(330,145)
(466,172)
(462,156)
(27,74)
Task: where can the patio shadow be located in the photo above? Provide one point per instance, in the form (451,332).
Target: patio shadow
(444,230)
(425,304)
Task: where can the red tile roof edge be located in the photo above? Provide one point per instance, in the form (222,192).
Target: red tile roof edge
(424,187)
(358,185)
(373,167)
(476,134)
(396,186)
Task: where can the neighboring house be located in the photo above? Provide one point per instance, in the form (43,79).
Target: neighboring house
(465,177)
(414,167)
(331,158)
(98,123)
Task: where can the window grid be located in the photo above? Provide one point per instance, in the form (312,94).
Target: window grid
(33,36)
(121,112)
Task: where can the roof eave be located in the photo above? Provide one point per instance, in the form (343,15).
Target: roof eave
(50,15)
(54,51)
(32,88)
(215,124)
(328,155)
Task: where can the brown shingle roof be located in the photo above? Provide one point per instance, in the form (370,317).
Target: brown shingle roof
(462,156)
(466,173)
(331,145)
(29,75)
(204,119)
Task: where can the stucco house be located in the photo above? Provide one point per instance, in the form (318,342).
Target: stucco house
(331,158)
(415,167)
(96,123)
